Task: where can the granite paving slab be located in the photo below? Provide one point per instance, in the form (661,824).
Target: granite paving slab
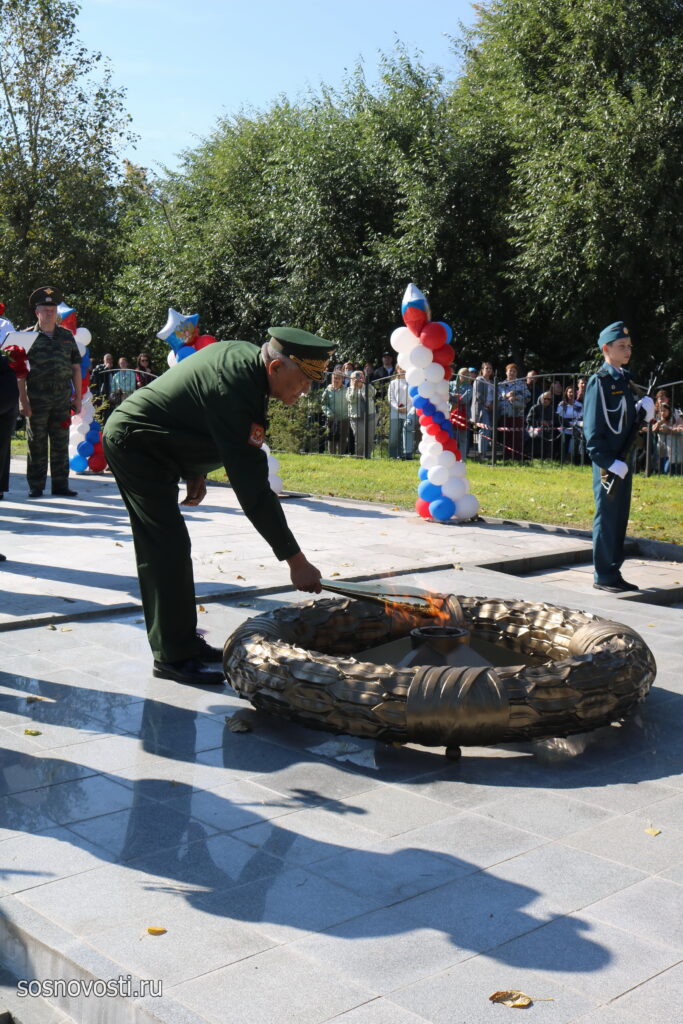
(302,876)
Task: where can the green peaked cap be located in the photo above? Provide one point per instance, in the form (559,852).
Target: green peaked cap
(308,351)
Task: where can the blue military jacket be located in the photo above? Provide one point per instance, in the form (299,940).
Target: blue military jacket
(609,409)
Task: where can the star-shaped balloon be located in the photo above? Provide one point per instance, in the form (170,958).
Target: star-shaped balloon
(179,329)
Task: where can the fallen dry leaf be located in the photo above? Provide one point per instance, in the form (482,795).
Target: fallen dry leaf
(118,544)
(236,724)
(201,608)
(395,508)
(225,551)
(335,574)
(238,577)
(52,627)
(153,930)
(653,831)
(65,629)
(513,998)
(243,604)
(33,699)
(32,732)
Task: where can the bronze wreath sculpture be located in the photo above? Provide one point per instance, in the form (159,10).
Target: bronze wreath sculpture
(297,662)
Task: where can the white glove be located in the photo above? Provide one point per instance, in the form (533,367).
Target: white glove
(648,405)
(619,468)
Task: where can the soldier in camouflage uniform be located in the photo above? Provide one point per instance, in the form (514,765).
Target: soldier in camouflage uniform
(46,399)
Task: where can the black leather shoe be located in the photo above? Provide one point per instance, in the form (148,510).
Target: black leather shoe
(35,492)
(211,655)
(615,588)
(65,493)
(192,670)
(626,585)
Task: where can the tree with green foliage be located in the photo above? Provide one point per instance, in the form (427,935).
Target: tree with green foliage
(588,95)
(60,124)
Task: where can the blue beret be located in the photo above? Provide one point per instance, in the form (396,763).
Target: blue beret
(613,333)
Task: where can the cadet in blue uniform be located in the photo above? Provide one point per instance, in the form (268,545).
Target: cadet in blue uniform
(206,412)
(609,411)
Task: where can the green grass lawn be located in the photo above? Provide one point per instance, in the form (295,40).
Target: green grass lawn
(561,495)
(554,494)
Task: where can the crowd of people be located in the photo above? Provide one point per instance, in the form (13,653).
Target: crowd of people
(112,384)
(536,416)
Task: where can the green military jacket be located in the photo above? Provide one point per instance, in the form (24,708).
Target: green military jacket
(51,360)
(210,411)
(609,409)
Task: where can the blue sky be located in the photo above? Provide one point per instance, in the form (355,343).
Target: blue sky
(185,63)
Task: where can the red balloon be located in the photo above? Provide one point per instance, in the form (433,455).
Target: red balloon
(451,445)
(422,508)
(97,449)
(434,335)
(444,355)
(442,437)
(203,340)
(424,420)
(97,462)
(434,429)
(415,319)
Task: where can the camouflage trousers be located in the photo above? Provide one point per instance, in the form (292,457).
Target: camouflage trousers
(50,420)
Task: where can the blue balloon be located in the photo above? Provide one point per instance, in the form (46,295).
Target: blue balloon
(429,409)
(442,509)
(429,492)
(184,351)
(78,463)
(85,362)
(422,472)
(413,391)
(449,331)
(448,427)
(95,425)
(92,436)
(85,449)
(438,417)
(419,402)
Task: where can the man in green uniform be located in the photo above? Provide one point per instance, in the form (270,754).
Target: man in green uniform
(46,398)
(209,410)
(609,411)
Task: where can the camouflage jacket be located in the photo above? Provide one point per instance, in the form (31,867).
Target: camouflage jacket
(51,360)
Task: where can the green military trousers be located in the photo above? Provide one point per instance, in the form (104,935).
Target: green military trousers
(49,421)
(162,549)
(609,527)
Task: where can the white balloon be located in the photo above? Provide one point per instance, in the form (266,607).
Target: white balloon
(447,459)
(421,356)
(415,377)
(81,347)
(402,340)
(430,460)
(467,507)
(276,484)
(426,390)
(82,336)
(273,466)
(265,448)
(459,469)
(426,444)
(171,359)
(454,489)
(76,419)
(437,475)
(467,484)
(434,372)
(405,360)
